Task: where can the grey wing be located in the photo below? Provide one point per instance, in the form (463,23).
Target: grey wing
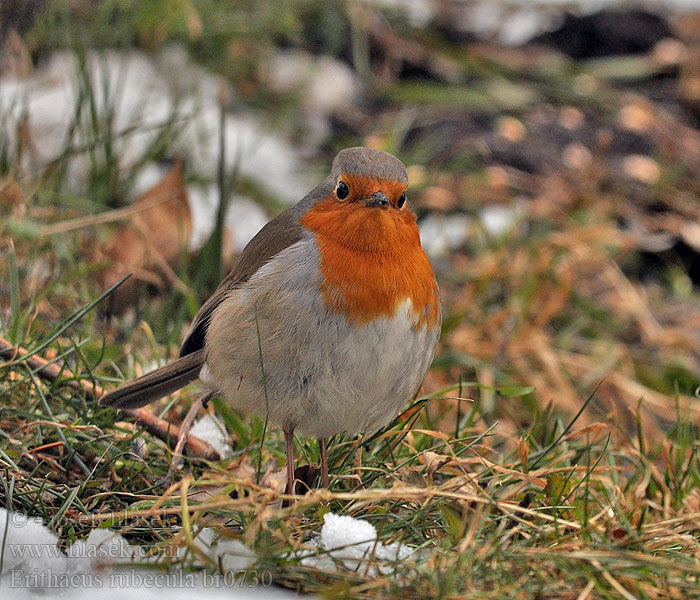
(280,233)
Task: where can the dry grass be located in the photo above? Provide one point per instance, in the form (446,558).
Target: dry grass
(553,452)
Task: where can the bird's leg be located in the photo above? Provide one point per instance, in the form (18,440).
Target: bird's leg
(289,439)
(324,462)
(207,398)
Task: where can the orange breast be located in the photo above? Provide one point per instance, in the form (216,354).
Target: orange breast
(372,261)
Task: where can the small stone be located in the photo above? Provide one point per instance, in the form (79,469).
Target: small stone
(642,168)
(604,138)
(140,447)
(374,141)
(690,232)
(570,118)
(576,156)
(416,174)
(511,129)
(497,178)
(689,83)
(636,117)
(669,52)
(438,198)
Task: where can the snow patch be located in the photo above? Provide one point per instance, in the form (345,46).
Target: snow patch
(135,97)
(244,218)
(325,86)
(498,220)
(440,234)
(353,544)
(33,566)
(210,429)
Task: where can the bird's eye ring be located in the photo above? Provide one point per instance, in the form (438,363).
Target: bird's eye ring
(342,190)
(402,200)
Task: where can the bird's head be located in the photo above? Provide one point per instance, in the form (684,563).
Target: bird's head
(369,178)
(362,204)
(369,244)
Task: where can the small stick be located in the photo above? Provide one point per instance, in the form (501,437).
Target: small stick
(185,430)
(170,433)
(324,462)
(47,446)
(289,441)
(162,429)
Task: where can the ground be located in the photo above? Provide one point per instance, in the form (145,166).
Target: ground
(553,449)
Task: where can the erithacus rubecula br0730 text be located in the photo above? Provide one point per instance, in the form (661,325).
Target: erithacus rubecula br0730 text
(330,319)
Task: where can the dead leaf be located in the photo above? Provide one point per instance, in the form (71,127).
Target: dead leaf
(10,193)
(438,199)
(15,60)
(149,243)
(433,461)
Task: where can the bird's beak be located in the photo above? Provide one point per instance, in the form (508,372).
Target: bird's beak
(378,199)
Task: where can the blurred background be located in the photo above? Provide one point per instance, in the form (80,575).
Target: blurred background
(553,151)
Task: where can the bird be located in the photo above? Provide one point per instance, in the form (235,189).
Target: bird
(330,319)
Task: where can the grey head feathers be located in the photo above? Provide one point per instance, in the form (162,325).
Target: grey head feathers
(368,162)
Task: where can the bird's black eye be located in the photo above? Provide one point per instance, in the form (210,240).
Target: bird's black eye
(402,200)
(342,190)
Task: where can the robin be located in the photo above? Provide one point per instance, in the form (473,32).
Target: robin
(330,319)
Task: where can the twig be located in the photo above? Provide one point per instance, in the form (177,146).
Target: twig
(162,429)
(184,431)
(47,446)
(117,214)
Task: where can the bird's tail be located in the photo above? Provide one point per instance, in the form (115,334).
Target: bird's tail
(156,384)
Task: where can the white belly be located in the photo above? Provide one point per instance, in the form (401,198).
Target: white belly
(319,374)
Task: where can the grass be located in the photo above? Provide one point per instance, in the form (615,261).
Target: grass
(553,452)
(560,509)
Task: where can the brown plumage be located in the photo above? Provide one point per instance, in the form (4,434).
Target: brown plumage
(329,320)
